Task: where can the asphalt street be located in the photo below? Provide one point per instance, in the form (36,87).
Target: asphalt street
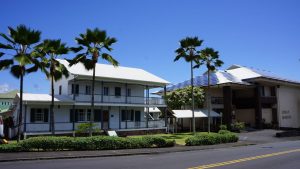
(280,155)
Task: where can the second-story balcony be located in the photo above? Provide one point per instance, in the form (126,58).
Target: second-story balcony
(98,98)
(217,100)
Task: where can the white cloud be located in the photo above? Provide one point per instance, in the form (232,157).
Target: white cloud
(4,88)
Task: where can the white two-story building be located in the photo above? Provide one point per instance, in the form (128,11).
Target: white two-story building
(122,101)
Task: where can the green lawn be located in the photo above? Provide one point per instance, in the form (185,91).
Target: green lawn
(178,137)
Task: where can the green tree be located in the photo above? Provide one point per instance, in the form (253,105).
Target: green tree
(20,59)
(49,51)
(180,98)
(210,58)
(91,46)
(188,51)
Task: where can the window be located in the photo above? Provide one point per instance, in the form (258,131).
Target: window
(39,115)
(60,90)
(81,115)
(137,116)
(127,115)
(129,92)
(88,90)
(88,114)
(105,91)
(117,91)
(75,89)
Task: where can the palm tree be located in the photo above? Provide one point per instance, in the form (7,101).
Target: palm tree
(20,42)
(49,51)
(210,58)
(188,51)
(91,45)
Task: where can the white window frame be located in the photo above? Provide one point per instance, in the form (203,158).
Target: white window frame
(39,116)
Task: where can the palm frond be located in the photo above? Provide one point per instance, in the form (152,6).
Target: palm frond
(110,59)
(17,70)
(6,63)
(7,38)
(8,46)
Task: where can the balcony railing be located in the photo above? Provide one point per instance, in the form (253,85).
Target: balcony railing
(68,126)
(217,100)
(120,99)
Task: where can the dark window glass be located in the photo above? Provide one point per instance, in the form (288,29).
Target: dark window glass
(117,91)
(60,88)
(105,91)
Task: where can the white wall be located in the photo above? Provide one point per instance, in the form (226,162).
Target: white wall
(64,83)
(288,106)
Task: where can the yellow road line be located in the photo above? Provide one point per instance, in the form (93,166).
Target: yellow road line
(244,159)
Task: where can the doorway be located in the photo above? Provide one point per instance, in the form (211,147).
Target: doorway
(105,120)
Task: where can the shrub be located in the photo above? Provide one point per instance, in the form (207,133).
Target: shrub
(85,127)
(224,132)
(238,126)
(223,127)
(211,138)
(10,148)
(87,143)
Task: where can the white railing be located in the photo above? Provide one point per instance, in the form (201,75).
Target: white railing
(120,99)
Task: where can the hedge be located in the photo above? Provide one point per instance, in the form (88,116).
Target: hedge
(52,143)
(211,138)
(10,147)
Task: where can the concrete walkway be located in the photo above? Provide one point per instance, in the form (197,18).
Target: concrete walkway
(248,138)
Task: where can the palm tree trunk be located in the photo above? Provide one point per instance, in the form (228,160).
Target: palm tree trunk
(21,107)
(93,100)
(52,106)
(208,100)
(193,101)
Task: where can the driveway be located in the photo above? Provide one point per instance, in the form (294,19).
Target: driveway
(264,136)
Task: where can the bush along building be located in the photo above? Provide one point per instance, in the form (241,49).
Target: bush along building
(122,101)
(240,94)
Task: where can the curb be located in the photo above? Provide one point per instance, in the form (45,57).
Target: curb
(127,154)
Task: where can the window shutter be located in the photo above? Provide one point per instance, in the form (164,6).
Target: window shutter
(32,115)
(97,115)
(46,112)
(137,116)
(132,115)
(71,115)
(77,89)
(123,115)
(76,115)
(72,91)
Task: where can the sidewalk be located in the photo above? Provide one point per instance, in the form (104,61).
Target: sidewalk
(23,156)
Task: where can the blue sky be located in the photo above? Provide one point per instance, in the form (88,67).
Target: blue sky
(259,33)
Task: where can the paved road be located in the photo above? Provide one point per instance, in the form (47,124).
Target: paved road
(281,155)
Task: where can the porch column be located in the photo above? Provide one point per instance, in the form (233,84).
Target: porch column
(258,107)
(120,117)
(73,107)
(147,102)
(25,118)
(101,114)
(227,114)
(49,120)
(102,91)
(126,92)
(166,113)
(126,115)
